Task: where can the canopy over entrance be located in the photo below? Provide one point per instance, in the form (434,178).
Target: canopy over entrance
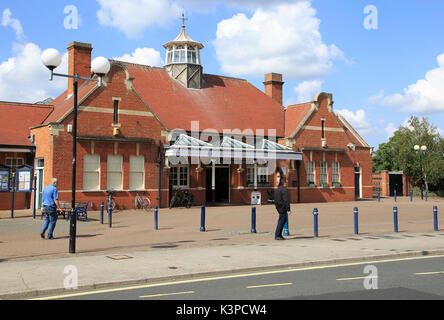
(229,148)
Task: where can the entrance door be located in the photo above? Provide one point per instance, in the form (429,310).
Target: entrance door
(395,183)
(39,167)
(222,185)
(357,183)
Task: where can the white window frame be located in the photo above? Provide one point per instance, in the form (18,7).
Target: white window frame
(86,172)
(323,172)
(262,179)
(108,186)
(336,172)
(15,165)
(311,172)
(177,174)
(132,171)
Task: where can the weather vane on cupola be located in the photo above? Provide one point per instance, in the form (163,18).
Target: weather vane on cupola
(183,19)
(183,59)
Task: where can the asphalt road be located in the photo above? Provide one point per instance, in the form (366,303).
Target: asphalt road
(414,278)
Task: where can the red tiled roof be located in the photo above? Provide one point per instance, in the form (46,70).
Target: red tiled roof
(222,103)
(17,118)
(294,115)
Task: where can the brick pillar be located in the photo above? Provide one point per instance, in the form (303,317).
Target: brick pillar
(79,61)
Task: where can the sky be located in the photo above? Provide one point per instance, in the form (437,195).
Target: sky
(383,61)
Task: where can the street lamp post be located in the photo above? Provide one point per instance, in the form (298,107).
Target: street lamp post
(51,59)
(421,150)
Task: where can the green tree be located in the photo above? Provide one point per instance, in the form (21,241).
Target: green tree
(398,153)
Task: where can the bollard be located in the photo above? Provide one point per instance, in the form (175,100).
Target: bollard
(156,218)
(426,196)
(110,215)
(395,218)
(102,206)
(12,200)
(355,212)
(253,220)
(411,195)
(35,191)
(395,195)
(286,231)
(315,217)
(202,219)
(435,218)
(379,196)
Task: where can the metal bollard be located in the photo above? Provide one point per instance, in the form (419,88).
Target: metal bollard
(379,196)
(110,216)
(253,220)
(12,203)
(395,195)
(395,218)
(35,191)
(315,217)
(156,218)
(102,206)
(202,219)
(426,196)
(435,218)
(411,195)
(355,212)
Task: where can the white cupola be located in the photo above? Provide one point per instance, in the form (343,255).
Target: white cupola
(183,59)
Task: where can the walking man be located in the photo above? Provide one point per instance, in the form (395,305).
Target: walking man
(282,203)
(51,205)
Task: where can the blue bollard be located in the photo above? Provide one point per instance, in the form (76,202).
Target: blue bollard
(395,195)
(102,206)
(35,191)
(355,212)
(315,217)
(426,196)
(156,218)
(253,220)
(110,215)
(435,218)
(411,195)
(379,196)
(395,218)
(12,203)
(202,219)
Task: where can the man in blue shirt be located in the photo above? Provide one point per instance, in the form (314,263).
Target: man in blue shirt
(50,197)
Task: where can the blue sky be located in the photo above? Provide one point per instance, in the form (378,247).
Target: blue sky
(379,77)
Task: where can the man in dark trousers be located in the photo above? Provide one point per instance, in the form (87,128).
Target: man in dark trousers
(282,203)
(50,197)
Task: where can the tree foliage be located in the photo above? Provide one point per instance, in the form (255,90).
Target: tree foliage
(398,153)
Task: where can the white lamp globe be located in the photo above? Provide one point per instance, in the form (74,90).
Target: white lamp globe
(424,148)
(416,148)
(51,58)
(100,66)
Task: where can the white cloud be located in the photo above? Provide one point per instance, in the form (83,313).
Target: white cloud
(358,120)
(133,16)
(15,24)
(423,97)
(284,39)
(390,129)
(145,56)
(23,77)
(306,90)
(205,5)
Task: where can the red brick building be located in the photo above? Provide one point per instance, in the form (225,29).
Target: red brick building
(159,129)
(17,145)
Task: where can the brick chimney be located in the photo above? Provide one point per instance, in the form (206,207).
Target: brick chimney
(79,61)
(273,86)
